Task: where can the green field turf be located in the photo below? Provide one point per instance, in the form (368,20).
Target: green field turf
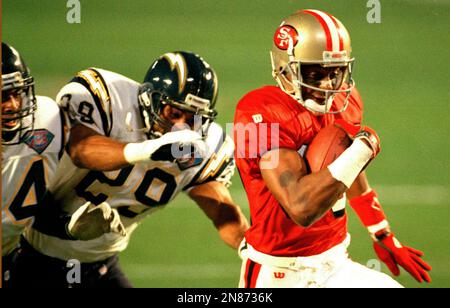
(402,72)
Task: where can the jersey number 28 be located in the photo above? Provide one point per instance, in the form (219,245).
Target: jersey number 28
(140,192)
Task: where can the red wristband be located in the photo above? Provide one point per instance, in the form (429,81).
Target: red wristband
(369,210)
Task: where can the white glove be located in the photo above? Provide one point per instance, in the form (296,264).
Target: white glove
(169,147)
(91,221)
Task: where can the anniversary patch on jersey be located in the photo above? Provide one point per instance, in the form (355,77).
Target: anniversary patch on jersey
(38,139)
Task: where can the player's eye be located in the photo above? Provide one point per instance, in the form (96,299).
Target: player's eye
(6,96)
(313,78)
(337,77)
(175,116)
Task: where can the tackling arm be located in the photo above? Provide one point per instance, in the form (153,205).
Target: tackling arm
(89,146)
(216,202)
(93,151)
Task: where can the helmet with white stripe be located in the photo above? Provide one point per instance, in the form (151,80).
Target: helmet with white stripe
(312,37)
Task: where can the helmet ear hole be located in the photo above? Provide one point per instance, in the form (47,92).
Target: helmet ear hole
(149,105)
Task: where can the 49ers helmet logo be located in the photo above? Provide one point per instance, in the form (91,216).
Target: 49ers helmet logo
(283,35)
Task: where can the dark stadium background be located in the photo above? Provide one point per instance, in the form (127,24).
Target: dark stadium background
(401,70)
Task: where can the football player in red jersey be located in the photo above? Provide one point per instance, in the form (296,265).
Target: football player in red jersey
(298,236)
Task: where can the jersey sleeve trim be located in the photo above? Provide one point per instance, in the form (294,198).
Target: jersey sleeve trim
(93,81)
(215,165)
(205,175)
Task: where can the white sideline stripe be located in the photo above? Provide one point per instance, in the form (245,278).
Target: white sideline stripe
(413,194)
(179,271)
(427,2)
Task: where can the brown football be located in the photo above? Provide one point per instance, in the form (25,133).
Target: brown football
(326,146)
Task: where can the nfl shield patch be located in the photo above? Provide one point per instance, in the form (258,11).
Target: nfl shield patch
(38,139)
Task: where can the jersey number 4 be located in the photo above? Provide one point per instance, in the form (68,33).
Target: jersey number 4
(26,201)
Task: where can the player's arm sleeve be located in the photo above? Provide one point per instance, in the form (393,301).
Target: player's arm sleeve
(219,167)
(86,101)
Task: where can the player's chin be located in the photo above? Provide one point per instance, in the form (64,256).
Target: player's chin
(158,130)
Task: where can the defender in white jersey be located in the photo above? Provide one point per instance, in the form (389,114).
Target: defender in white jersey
(32,143)
(136,147)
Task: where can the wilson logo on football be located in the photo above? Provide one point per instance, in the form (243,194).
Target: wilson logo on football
(283,35)
(279,275)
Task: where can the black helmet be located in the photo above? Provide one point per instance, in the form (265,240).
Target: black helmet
(183,80)
(17,81)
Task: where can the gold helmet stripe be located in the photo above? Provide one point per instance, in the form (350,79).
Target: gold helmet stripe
(177,62)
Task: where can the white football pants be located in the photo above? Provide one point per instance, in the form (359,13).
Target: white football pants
(331,269)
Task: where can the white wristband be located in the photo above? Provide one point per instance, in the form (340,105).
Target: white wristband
(136,152)
(378,227)
(350,163)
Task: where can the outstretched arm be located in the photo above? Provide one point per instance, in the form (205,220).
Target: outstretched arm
(216,202)
(93,151)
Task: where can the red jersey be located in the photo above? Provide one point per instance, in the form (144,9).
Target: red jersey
(272,231)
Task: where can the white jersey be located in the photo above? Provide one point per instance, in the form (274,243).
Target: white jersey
(27,169)
(107,103)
